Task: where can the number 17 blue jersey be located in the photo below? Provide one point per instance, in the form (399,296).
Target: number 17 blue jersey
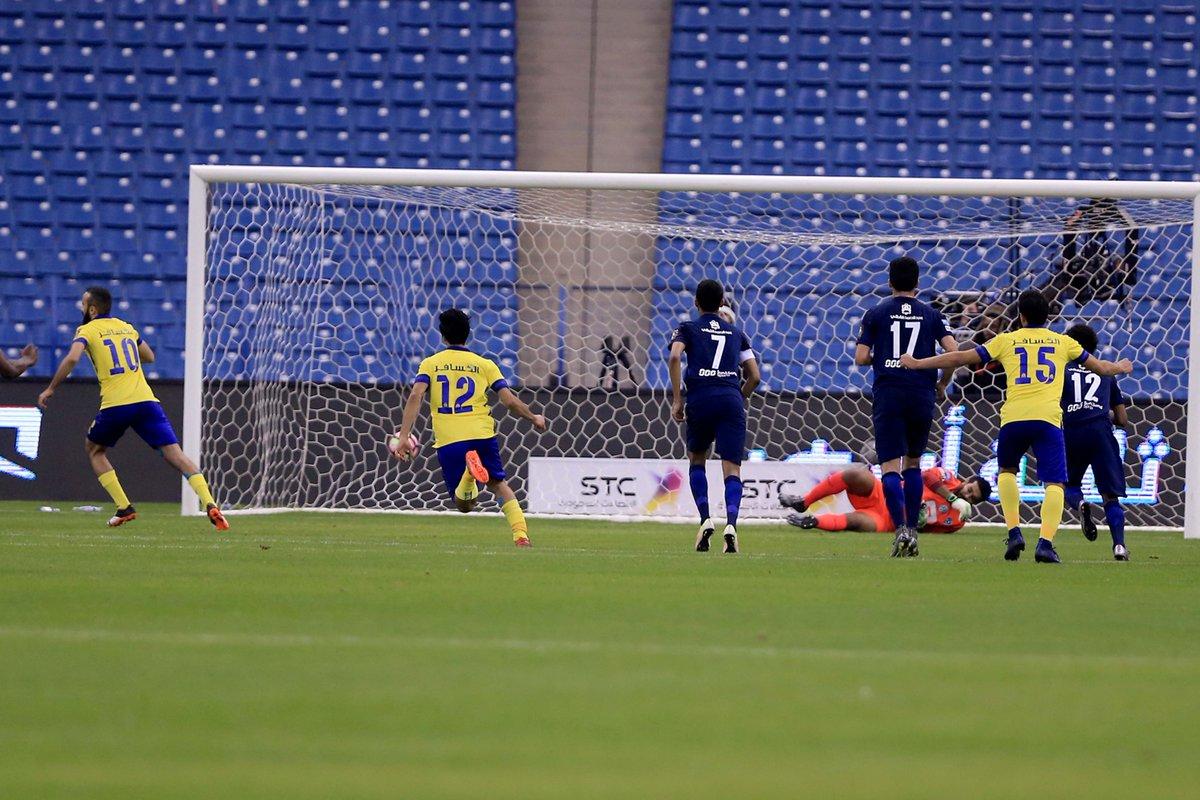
(715,351)
(897,326)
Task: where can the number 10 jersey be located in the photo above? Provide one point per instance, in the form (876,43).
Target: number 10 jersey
(112,345)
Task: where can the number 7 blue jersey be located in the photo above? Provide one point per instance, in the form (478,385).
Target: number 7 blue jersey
(897,326)
(715,352)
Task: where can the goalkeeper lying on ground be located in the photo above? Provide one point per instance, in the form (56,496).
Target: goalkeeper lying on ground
(945,507)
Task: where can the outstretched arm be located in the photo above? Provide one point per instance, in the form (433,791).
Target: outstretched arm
(951,360)
(1108,368)
(517,406)
(675,370)
(16,367)
(64,370)
(949,345)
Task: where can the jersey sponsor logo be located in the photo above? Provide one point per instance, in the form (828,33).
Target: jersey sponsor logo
(704,372)
(712,323)
(906,309)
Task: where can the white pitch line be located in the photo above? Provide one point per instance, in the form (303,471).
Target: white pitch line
(553,646)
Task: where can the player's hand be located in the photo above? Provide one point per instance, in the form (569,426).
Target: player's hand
(963,508)
(908,362)
(44,398)
(402,449)
(30,353)
(1124,366)
(677,410)
(941,393)
(539,422)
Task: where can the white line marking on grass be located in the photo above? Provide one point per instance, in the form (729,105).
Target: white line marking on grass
(551,646)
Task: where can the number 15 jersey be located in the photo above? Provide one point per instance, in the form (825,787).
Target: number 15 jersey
(1034,361)
(112,345)
(458,382)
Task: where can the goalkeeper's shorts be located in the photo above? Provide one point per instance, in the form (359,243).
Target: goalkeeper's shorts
(453,459)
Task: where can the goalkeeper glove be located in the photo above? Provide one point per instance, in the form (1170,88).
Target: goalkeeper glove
(963,508)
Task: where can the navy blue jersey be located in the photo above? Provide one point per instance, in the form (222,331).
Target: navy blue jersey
(897,326)
(715,351)
(1088,397)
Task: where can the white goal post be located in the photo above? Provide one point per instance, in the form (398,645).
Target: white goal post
(310,292)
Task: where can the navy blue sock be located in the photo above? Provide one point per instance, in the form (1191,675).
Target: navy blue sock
(1072,496)
(914,490)
(699,483)
(893,495)
(1114,512)
(733,499)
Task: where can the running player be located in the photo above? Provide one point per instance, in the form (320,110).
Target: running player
(1092,404)
(903,402)
(947,502)
(1034,360)
(721,376)
(464,431)
(126,401)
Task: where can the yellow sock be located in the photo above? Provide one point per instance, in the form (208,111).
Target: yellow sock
(1052,511)
(113,486)
(516,518)
(467,489)
(200,487)
(1010,499)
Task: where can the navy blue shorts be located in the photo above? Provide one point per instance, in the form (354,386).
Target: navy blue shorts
(1044,439)
(453,459)
(902,421)
(719,418)
(147,420)
(1095,446)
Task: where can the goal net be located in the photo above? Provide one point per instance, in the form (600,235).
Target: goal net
(318,296)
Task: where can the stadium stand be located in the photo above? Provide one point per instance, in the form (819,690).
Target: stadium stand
(928,88)
(104,105)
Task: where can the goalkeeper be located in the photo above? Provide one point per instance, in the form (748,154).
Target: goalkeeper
(946,505)
(464,431)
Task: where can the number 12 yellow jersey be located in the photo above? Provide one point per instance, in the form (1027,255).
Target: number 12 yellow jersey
(1034,361)
(112,345)
(458,383)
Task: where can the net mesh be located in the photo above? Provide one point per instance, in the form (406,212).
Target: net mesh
(320,302)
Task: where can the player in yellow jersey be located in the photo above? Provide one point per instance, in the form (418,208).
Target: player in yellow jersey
(463,429)
(126,401)
(1034,360)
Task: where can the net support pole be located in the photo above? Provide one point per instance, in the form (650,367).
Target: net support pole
(193,347)
(1191,508)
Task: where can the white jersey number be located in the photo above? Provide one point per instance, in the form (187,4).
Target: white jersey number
(897,327)
(720,340)
(1088,395)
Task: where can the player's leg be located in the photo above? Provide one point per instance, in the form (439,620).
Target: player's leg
(150,422)
(731,446)
(891,445)
(488,453)
(107,476)
(851,521)
(919,421)
(1051,456)
(1079,457)
(699,432)
(1010,448)
(452,459)
(1109,472)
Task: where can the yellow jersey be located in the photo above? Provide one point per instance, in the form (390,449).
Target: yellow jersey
(458,383)
(112,345)
(1034,361)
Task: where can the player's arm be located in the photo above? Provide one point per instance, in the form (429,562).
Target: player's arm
(1120,417)
(412,410)
(16,367)
(949,345)
(951,360)
(675,370)
(935,480)
(518,406)
(751,377)
(145,352)
(862,355)
(64,371)
(1108,368)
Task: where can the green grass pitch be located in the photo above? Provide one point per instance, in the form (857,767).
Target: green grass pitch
(379,656)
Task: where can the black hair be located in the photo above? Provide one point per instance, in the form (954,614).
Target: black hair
(985,488)
(1085,335)
(903,273)
(101,298)
(709,295)
(1034,307)
(455,326)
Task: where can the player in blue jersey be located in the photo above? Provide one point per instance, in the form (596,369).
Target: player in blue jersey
(721,375)
(1092,404)
(903,402)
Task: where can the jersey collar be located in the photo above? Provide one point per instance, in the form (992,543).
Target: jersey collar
(458,347)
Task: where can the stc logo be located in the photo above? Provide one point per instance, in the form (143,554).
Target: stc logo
(28,423)
(608,485)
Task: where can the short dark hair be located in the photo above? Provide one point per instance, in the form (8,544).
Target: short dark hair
(985,488)
(101,298)
(1034,307)
(903,273)
(709,295)
(1085,335)
(455,326)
